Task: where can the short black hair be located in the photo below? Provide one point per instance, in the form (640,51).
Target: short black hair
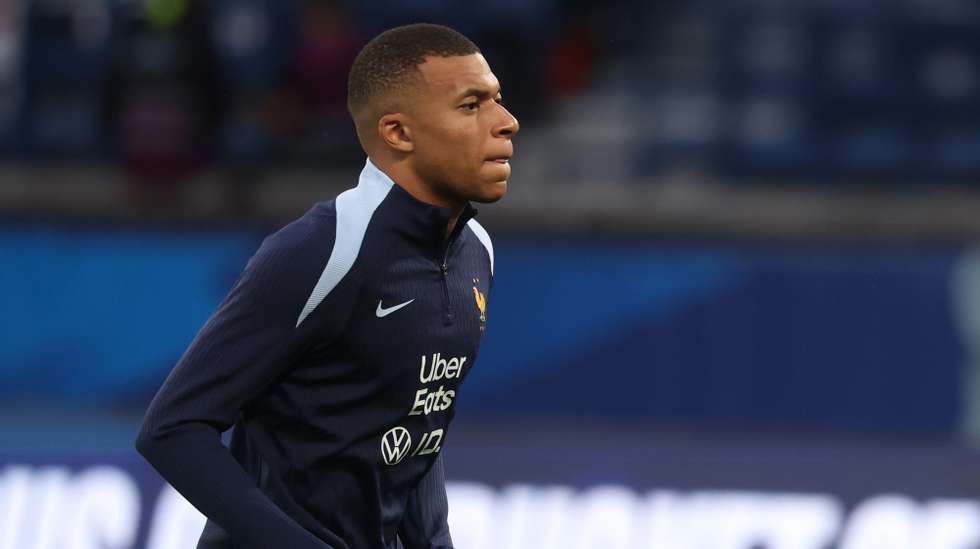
(392,58)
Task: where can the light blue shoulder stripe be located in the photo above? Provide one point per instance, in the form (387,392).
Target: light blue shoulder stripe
(354,210)
(481,234)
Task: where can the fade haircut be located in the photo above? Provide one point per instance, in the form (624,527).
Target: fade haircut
(390,61)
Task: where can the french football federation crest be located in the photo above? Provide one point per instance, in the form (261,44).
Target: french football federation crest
(481,302)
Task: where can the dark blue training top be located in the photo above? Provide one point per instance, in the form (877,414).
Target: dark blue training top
(337,356)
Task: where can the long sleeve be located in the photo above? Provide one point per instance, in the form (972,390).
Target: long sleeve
(242,349)
(425,523)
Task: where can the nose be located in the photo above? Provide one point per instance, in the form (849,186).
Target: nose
(508,125)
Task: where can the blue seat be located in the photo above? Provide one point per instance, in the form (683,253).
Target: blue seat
(253,40)
(953,152)
(66,70)
(869,150)
(770,135)
(66,121)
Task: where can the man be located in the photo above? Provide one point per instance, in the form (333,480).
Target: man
(339,352)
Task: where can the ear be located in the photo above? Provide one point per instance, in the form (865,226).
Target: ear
(394,132)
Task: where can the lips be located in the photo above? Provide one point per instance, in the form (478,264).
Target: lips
(503,159)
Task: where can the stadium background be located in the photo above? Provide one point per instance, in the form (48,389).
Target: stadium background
(737,302)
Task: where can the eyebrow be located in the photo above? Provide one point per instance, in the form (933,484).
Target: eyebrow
(478,92)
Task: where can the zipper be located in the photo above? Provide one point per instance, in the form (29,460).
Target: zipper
(447,310)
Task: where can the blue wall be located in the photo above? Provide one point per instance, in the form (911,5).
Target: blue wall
(738,335)
(100,315)
(732,335)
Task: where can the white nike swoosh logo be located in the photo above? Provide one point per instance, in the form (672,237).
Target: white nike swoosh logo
(383,312)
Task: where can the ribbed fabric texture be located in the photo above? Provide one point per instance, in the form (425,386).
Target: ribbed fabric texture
(238,353)
(424,523)
(338,422)
(354,209)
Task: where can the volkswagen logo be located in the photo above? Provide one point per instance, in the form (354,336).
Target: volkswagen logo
(395,445)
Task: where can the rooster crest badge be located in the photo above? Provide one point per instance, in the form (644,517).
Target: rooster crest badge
(481,302)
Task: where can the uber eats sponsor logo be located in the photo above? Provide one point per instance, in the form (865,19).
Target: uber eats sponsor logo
(396,443)
(436,368)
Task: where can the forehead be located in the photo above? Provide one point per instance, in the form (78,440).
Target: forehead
(451,76)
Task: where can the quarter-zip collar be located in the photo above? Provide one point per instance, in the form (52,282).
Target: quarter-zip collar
(421,220)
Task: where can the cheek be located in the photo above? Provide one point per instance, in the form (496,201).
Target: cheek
(459,150)
(451,150)
(435,140)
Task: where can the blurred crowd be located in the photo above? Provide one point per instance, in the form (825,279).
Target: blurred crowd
(819,90)
(167,87)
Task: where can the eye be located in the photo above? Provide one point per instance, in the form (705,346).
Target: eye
(471,106)
(499,100)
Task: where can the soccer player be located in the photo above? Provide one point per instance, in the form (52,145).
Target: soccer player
(339,352)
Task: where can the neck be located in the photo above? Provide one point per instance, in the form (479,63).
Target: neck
(452,223)
(404,176)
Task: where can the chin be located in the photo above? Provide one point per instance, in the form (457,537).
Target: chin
(491,192)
